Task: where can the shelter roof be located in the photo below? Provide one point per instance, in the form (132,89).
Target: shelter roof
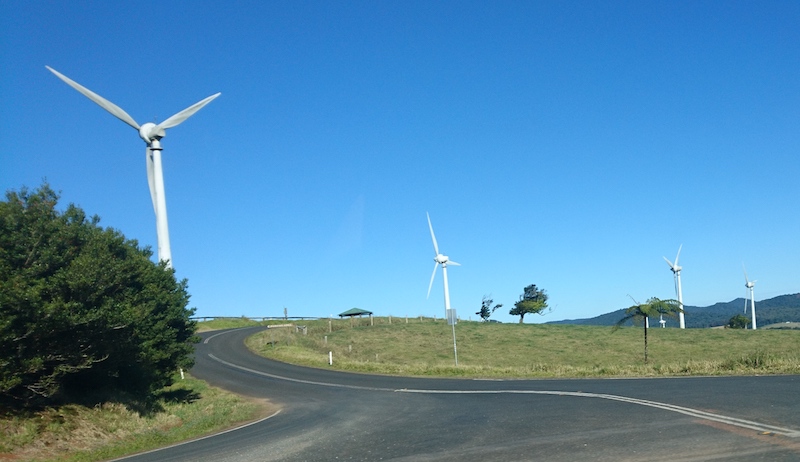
(354,312)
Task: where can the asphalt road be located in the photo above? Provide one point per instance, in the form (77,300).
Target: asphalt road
(331,416)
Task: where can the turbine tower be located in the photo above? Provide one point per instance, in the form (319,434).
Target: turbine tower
(443,260)
(151,134)
(749,285)
(676,270)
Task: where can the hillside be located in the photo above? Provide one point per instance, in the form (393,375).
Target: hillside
(781,309)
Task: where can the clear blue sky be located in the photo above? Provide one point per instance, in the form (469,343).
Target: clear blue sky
(567,144)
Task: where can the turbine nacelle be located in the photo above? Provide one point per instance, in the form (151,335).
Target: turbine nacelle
(747,282)
(444,260)
(674,267)
(440,259)
(150,132)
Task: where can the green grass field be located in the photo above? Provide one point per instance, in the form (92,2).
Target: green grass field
(424,347)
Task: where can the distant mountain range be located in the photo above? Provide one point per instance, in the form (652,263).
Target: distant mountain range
(781,309)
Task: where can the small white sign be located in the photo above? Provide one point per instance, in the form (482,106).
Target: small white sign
(452,319)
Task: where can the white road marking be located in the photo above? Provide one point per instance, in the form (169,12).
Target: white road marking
(215,335)
(289,379)
(697,413)
(201,438)
(759,427)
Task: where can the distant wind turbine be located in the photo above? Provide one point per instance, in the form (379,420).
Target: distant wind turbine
(151,134)
(676,270)
(443,260)
(749,285)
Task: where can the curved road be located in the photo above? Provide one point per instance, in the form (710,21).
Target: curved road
(327,415)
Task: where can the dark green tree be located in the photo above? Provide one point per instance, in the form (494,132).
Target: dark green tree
(532,300)
(738,322)
(487,308)
(83,310)
(639,313)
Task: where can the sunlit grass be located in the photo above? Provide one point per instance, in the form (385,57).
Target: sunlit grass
(425,348)
(234,323)
(187,410)
(227,323)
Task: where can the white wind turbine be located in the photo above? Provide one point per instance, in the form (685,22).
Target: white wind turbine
(750,284)
(151,134)
(676,270)
(443,260)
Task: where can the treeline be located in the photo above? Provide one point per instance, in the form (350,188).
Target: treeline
(781,309)
(84,313)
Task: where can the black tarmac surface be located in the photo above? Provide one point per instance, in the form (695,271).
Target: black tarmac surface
(333,416)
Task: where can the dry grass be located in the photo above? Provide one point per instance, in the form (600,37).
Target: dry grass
(425,348)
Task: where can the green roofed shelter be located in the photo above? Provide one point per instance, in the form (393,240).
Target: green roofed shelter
(355,312)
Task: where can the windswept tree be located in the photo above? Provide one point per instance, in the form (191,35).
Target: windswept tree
(83,310)
(532,300)
(487,308)
(639,313)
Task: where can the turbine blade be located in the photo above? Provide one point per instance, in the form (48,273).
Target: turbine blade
(435,265)
(433,236)
(669,263)
(451,262)
(115,110)
(184,114)
(151,180)
(746,280)
(679,254)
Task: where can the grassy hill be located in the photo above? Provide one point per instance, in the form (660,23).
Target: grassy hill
(424,347)
(782,309)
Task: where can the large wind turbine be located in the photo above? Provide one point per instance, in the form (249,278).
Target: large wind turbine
(151,134)
(443,260)
(677,272)
(750,284)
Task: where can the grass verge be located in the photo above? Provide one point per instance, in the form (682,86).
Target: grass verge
(232,323)
(72,433)
(424,347)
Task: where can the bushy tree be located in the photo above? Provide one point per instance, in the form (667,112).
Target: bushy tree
(487,308)
(83,310)
(532,300)
(738,322)
(639,313)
